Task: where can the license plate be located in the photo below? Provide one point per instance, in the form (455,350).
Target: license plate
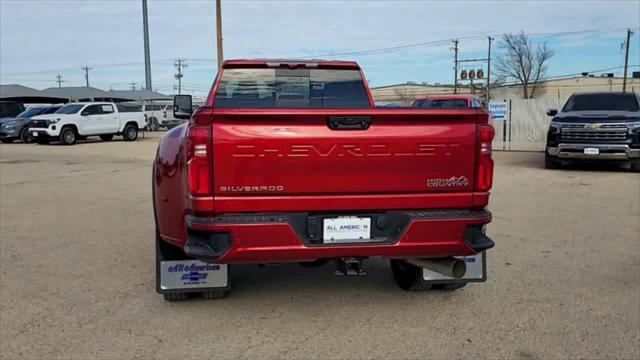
(591,151)
(192,274)
(34,134)
(346,229)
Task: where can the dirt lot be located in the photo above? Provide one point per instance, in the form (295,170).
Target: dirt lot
(77,274)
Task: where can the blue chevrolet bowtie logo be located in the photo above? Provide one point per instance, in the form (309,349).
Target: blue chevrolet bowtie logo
(194,276)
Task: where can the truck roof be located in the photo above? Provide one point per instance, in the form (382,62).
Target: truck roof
(89,102)
(448,96)
(231,63)
(601,93)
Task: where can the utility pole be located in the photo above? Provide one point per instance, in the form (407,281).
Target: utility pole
(60,81)
(488,97)
(455,67)
(179,64)
(219,31)
(147,57)
(133,86)
(86,74)
(626,60)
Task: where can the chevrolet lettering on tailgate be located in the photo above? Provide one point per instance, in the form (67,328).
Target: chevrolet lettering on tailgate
(345,150)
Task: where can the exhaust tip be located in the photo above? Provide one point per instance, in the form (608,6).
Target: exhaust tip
(450,267)
(458,269)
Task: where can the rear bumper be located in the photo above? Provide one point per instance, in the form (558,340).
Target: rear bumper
(288,237)
(606,151)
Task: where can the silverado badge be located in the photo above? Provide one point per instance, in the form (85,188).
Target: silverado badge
(592,126)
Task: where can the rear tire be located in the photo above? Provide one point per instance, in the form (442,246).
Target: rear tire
(214,294)
(450,287)
(635,165)
(130,132)
(550,162)
(176,296)
(106,137)
(408,277)
(68,136)
(153,124)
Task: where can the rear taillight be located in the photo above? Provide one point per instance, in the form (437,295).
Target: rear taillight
(199,159)
(484,162)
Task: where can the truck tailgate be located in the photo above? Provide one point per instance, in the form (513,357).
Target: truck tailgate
(287,160)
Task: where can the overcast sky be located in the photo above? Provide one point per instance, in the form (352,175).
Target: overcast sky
(40,39)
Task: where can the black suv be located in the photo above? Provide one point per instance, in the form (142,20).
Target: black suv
(595,126)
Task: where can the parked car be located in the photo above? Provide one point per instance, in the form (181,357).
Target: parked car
(447,102)
(160,115)
(14,128)
(10,108)
(76,121)
(389,105)
(290,161)
(599,126)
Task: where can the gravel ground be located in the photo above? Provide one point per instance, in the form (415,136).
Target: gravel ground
(77,274)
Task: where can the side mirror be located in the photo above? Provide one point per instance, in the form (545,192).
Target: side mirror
(182,106)
(552,112)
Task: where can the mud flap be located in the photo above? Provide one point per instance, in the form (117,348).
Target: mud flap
(476,271)
(191,276)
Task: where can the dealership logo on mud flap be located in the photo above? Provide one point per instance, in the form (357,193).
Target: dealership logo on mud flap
(193,273)
(194,276)
(193,267)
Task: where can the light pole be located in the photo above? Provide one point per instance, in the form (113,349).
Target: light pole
(219,32)
(488,97)
(147,60)
(626,60)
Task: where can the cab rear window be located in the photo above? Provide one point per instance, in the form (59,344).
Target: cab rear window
(291,88)
(441,104)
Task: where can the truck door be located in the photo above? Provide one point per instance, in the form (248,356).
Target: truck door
(91,120)
(110,122)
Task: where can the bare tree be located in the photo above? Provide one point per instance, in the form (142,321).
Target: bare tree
(522,61)
(402,95)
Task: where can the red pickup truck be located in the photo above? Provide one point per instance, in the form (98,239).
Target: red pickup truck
(290,161)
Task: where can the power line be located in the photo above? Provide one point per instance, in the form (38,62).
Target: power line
(97,66)
(474,37)
(355,52)
(559,77)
